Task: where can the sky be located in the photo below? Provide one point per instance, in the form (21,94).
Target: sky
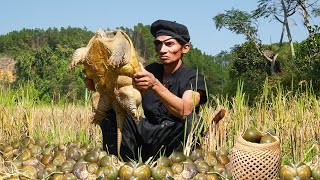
(196,15)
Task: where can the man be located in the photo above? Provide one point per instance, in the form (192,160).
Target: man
(170,92)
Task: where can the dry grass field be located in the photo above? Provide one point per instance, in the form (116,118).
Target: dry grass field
(294,118)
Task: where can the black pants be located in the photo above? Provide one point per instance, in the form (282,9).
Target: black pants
(149,139)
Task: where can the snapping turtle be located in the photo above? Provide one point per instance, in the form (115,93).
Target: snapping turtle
(110,60)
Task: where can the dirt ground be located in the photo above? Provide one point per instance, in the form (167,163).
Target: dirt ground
(7,69)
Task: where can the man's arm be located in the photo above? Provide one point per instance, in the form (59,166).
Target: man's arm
(180,107)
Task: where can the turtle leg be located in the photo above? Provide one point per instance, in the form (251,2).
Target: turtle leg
(78,56)
(129,98)
(100,106)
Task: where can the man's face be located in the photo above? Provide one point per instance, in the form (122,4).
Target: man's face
(168,49)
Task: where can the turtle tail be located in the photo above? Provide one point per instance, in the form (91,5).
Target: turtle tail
(120,116)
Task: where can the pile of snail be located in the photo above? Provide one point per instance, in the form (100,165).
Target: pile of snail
(37,159)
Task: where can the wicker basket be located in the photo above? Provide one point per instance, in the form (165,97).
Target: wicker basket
(255,161)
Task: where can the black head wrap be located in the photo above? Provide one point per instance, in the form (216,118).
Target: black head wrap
(170,28)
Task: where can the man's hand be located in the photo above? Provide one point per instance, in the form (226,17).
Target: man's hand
(144,79)
(89,84)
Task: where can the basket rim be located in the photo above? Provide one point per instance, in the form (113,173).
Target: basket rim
(243,141)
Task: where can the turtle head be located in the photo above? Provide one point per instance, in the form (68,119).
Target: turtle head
(101,33)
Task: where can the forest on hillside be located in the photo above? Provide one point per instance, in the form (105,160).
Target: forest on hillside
(42,56)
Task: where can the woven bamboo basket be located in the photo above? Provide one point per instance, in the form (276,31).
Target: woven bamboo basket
(255,161)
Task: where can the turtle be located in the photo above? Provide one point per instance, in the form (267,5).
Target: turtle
(110,60)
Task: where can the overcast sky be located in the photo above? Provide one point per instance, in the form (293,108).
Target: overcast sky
(196,15)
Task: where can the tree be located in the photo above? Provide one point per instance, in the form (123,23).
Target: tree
(143,41)
(306,8)
(280,10)
(249,67)
(42,58)
(241,22)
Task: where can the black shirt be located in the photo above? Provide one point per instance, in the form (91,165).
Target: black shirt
(181,80)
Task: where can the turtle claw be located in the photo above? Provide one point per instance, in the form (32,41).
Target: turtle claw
(79,56)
